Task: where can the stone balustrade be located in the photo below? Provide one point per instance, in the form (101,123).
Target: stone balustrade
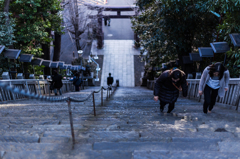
(40,87)
(231,96)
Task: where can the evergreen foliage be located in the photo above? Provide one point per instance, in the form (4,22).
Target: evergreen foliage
(34,19)
(170,29)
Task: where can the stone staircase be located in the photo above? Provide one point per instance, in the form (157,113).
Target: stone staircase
(129,126)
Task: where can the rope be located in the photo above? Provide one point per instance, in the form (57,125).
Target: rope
(46,98)
(78,100)
(31,95)
(98,90)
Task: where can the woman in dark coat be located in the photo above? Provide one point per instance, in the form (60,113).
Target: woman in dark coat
(57,82)
(167,88)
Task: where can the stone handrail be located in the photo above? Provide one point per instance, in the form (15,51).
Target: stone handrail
(231,97)
(40,87)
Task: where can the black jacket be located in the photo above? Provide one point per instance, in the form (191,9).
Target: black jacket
(109,80)
(57,81)
(165,89)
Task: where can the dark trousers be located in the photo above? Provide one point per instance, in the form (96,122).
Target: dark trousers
(170,106)
(77,88)
(105,21)
(210,96)
(57,89)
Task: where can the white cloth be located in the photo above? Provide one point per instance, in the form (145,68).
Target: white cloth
(223,82)
(213,83)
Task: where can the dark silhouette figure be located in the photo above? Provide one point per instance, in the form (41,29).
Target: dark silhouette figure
(105,21)
(109,80)
(77,81)
(57,82)
(109,20)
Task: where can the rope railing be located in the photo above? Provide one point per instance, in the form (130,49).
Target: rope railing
(61,99)
(40,87)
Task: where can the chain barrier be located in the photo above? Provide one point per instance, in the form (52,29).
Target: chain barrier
(61,99)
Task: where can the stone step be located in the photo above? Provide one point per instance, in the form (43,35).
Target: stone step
(111,133)
(108,124)
(63,147)
(59,140)
(118,114)
(219,135)
(74,154)
(91,137)
(20,139)
(152,136)
(171,146)
(165,154)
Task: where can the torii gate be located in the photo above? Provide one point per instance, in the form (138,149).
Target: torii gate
(118,9)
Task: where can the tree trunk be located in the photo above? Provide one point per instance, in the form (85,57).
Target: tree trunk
(6,9)
(57,47)
(78,44)
(76,28)
(46,56)
(100,35)
(6,5)
(187,68)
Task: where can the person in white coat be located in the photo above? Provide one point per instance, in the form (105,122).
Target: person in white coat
(214,82)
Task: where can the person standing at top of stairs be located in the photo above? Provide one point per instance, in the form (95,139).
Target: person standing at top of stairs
(109,81)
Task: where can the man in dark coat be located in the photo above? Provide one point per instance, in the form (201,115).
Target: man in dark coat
(77,81)
(105,21)
(57,82)
(167,88)
(109,81)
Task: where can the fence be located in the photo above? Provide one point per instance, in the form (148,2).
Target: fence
(232,96)
(40,87)
(26,93)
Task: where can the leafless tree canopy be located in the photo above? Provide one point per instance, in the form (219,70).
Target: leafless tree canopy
(77,21)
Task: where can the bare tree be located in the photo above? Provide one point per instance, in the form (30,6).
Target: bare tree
(77,22)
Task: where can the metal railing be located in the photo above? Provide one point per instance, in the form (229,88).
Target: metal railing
(26,93)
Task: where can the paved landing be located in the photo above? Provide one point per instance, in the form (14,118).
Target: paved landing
(119,61)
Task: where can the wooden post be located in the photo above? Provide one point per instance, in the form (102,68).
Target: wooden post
(71,122)
(94,105)
(101,97)
(107,94)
